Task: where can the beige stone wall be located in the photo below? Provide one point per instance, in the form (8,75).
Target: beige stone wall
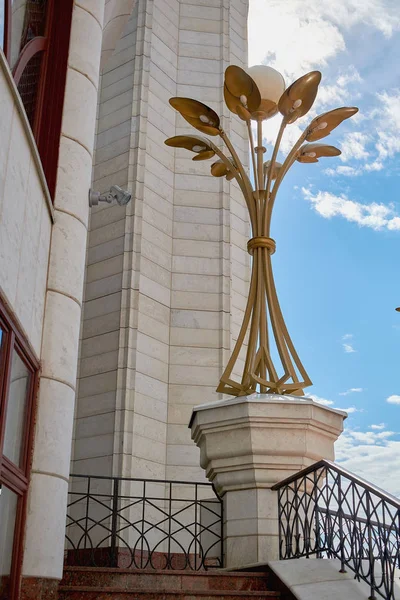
(26,215)
(211,228)
(166,276)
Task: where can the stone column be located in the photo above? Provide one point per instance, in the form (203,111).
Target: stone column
(166,272)
(45,527)
(249,444)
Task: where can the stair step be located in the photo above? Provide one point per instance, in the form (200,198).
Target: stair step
(107,593)
(165,580)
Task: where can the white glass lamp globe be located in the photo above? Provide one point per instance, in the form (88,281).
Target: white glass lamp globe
(271,85)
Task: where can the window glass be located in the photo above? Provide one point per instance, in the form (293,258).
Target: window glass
(8,513)
(16,405)
(28,18)
(2,351)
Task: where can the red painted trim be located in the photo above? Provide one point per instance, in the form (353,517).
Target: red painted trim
(13,477)
(8,348)
(18,550)
(9,322)
(52,91)
(16,477)
(37,44)
(7,28)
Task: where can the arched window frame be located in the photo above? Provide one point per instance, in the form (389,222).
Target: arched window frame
(54,44)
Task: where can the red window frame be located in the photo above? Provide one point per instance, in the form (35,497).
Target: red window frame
(54,44)
(16,477)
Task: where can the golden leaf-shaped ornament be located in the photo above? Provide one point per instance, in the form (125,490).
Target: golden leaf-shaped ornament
(310,153)
(240,90)
(322,126)
(299,97)
(204,155)
(201,146)
(199,115)
(220,169)
(276,168)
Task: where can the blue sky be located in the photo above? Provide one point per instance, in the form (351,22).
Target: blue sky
(337,222)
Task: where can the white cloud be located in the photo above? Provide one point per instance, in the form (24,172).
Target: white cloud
(353,146)
(374,215)
(388,125)
(297,35)
(347,346)
(393,399)
(351,391)
(340,90)
(378,427)
(344,170)
(277,28)
(322,401)
(325,402)
(373,455)
(350,409)
(374,166)
(290,136)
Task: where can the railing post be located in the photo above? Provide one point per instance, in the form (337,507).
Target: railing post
(279,498)
(142,534)
(87,521)
(222,556)
(341,536)
(370,549)
(316,512)
(296,504)
(195,528)
(169,564)
(114,524)
(398,538)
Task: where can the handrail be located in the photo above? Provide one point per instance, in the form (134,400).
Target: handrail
(143,523)
(339,469)
(359,519)
(174,481)
(327,511)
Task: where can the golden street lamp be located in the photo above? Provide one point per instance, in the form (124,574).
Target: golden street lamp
(257,95)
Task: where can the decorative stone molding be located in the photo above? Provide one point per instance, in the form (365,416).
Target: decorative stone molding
(248,444)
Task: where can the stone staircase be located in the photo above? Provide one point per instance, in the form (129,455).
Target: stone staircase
(84,583)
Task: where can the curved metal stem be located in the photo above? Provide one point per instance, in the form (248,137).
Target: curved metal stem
(267,209)
(291,157)
(253,156)
(244,176)
(242,184)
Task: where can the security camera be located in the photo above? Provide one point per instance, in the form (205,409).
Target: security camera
(115,193)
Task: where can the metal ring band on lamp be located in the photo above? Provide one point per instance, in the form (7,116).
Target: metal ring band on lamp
(261,242)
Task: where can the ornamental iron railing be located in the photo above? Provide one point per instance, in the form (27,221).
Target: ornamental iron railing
(143,524)
(327,511)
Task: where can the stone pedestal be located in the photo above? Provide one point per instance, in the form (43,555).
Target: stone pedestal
(247,445)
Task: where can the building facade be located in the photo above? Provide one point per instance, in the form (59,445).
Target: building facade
(114,323)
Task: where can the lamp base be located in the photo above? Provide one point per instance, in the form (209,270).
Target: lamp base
(248,444)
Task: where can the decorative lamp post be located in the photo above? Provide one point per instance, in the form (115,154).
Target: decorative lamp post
(257,95)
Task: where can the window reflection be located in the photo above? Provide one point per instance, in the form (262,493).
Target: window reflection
(18,14)
(19,385)
(2,349)
(8,513)
(28,18)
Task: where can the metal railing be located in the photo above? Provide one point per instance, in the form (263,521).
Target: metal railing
(327,511)
(143,524)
